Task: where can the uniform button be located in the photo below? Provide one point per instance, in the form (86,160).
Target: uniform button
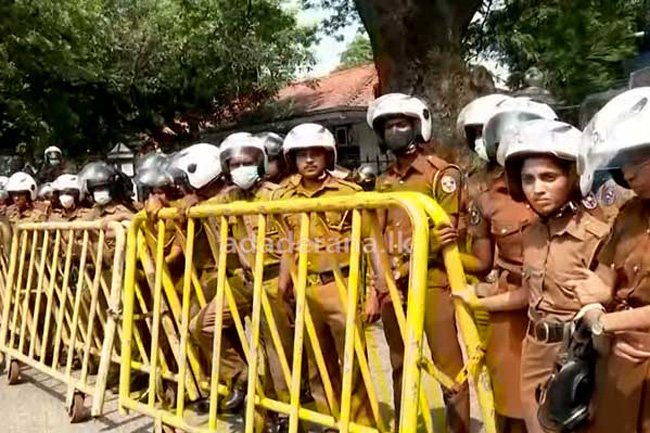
(636,268)
(503,230)
(401,182)
(612,266)
(397,224)
(308,263)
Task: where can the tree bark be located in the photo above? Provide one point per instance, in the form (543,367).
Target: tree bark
(417,48)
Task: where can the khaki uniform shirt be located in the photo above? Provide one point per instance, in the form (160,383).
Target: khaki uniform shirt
(244,229)
(76,214)
(38,212)
(112,212)
(329,232)
(627,253)
(495,215)
(554,251)
(429,175)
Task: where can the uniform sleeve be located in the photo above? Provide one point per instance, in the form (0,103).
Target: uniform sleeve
(447,188)
(479,225)
(608,252)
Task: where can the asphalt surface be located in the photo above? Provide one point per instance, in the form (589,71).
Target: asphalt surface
(37,403)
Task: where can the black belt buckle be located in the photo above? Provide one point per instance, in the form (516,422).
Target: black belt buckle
(542,332)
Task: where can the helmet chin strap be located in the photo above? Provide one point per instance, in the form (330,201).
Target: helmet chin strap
(570,207)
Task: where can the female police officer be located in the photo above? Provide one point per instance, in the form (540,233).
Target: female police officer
(540,168)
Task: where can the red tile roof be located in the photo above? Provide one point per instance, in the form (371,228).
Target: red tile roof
(352,87)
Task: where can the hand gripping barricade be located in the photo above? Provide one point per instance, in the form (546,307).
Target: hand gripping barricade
(179,379)
(61,297)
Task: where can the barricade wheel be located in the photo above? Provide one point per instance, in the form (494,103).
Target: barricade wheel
(14,373)
(78,412)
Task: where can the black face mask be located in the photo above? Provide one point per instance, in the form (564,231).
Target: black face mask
(399,139)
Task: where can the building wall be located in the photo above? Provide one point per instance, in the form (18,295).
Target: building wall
(357,145)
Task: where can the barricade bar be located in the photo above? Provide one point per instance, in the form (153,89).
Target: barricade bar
(62,288)
(162,304)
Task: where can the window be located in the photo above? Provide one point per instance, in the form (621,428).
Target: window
(342,136)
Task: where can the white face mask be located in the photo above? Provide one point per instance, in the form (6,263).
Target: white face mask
(102,196)
(245,176)
(480,149)
(67,201)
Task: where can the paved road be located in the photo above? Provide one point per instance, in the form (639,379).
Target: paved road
(36,405)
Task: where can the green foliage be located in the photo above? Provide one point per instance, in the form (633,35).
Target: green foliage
(358,52)
(87,73)
(579,44)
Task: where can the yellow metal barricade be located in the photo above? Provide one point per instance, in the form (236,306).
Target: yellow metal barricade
(159,305)
(62,298)
(5,247)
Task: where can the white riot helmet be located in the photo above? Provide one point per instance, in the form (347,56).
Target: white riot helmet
(537,137)
(399,104)
(605,136)
(475,115)
(510,113)
(200,162)
(306,136)
(22,182)
(3,181)
(50,152)
(68,184)
(272,143)
(241,142)
(52,149)
(45,191)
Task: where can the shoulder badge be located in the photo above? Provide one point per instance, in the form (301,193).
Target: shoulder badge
(448,184)
(474,215)
(590,202)
(608,195)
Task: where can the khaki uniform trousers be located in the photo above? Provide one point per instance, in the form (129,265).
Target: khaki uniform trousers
(202,328)
(537,363)
(442,336)
(329,320)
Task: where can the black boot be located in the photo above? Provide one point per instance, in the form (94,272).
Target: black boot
(271,424)
(234,401)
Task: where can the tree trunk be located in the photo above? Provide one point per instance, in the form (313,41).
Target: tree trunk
(417,47)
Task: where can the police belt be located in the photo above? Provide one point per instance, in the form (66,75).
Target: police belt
(271,271)
(545,331)
(327,276)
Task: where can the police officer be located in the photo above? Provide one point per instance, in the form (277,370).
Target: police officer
(53,165)
(69,190)
(474,116)
(622,402)
(496,224)
(310,151)
(604,189)
(403,125)
(201,165)
(540,167)
(22,190)
(244,163)
(150,164)
(277,169)
(106,188)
